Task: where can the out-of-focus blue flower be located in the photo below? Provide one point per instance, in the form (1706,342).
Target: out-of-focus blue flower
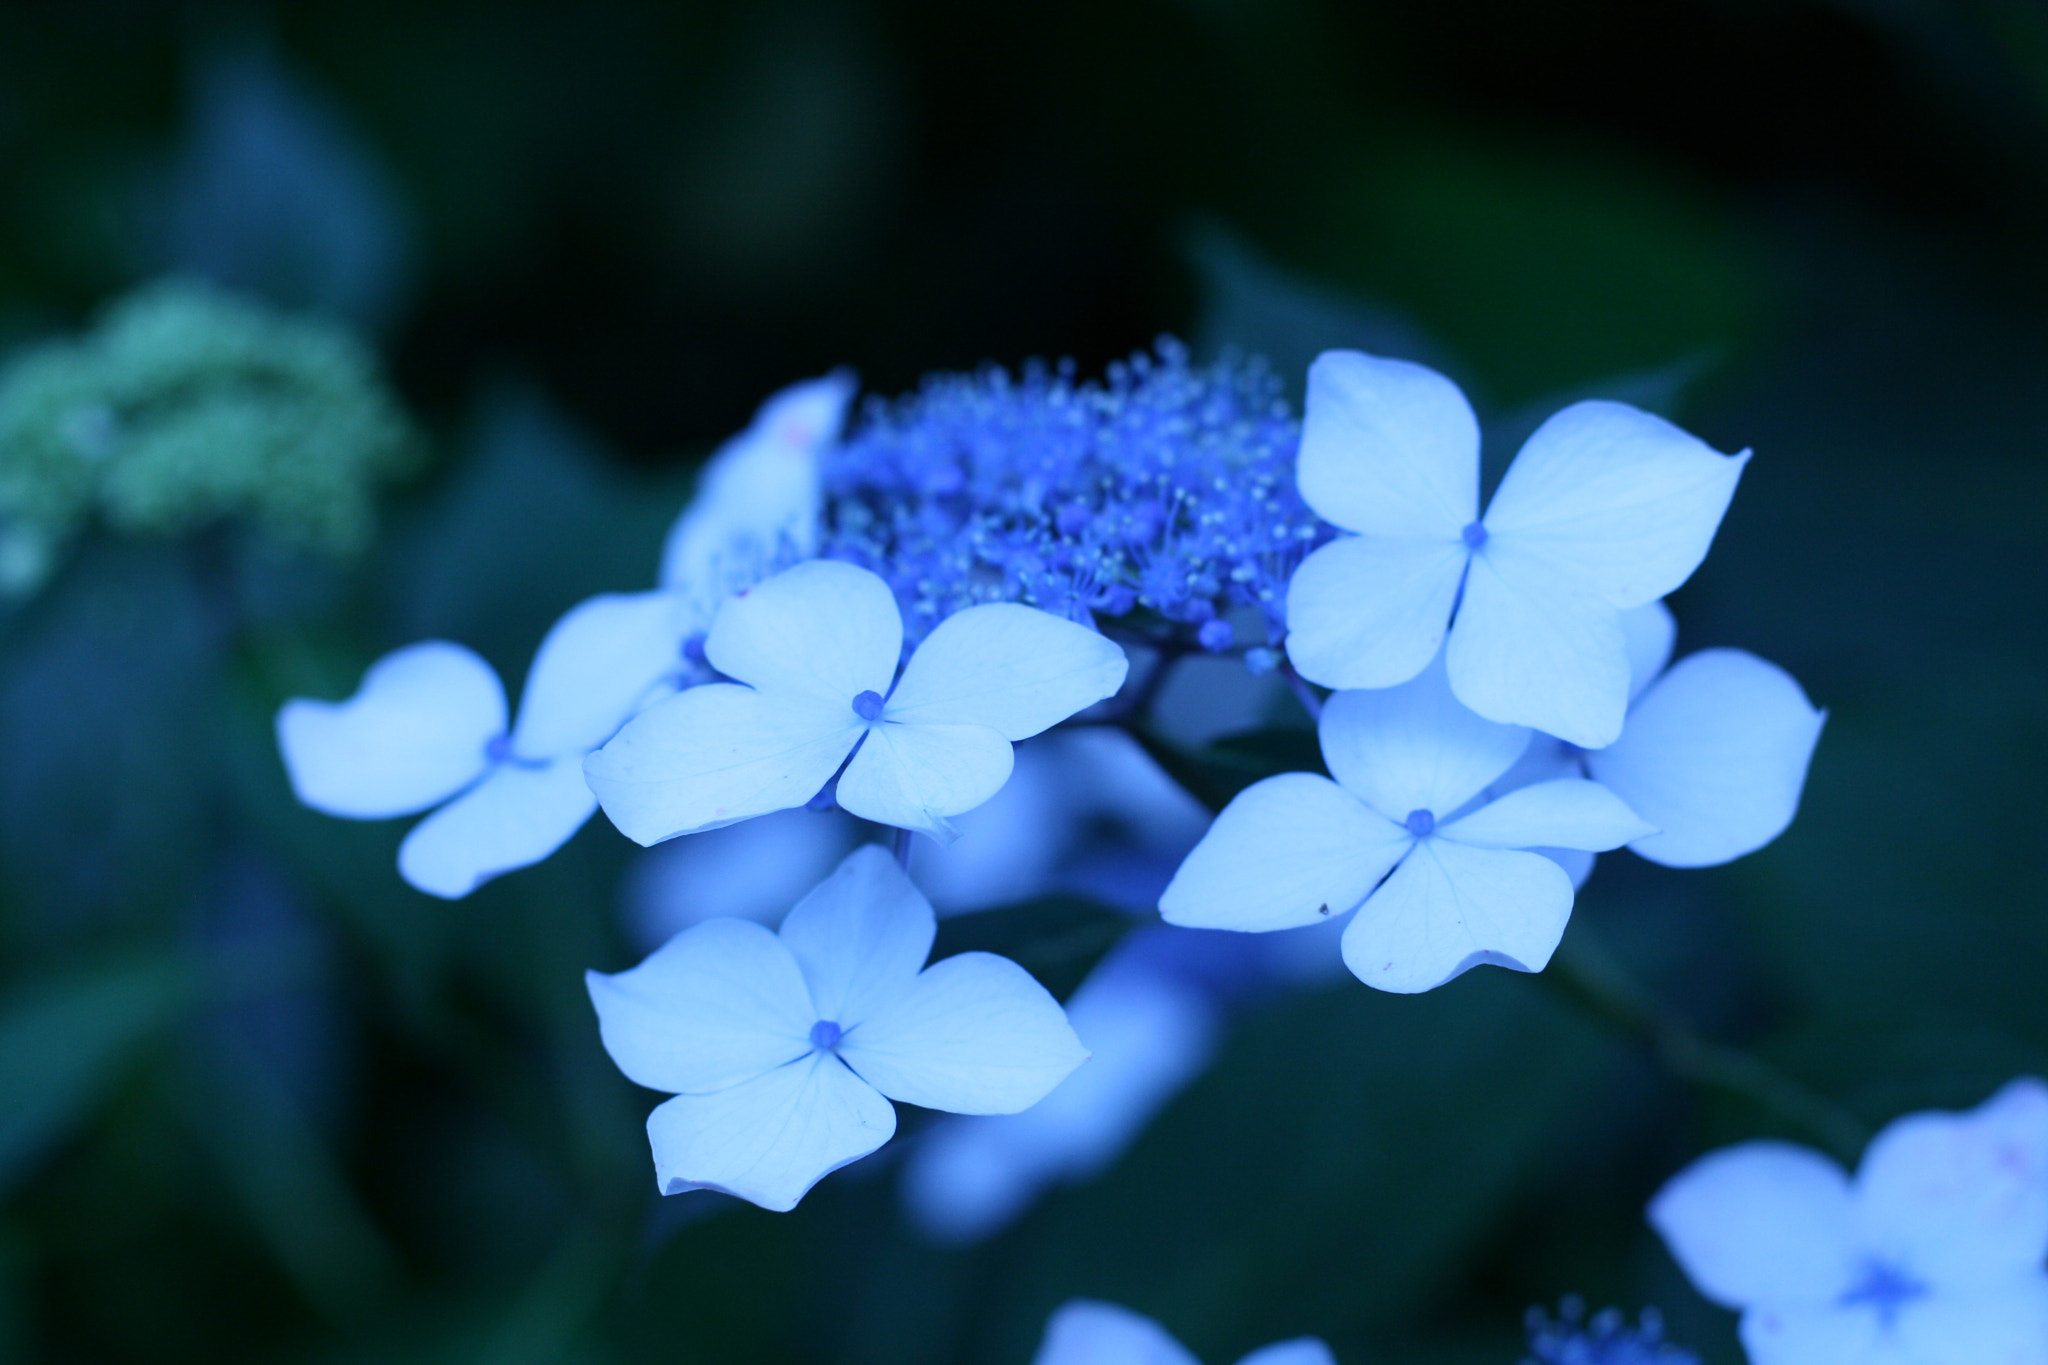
(1607,1339)
(1088,1332)
(1167,486)
(1605,508)
(784,1050)
(1412,767)
(1931,1253)
(814,653)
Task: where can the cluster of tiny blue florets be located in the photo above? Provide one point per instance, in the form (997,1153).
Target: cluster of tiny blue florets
(1606,1339)
(1166,486)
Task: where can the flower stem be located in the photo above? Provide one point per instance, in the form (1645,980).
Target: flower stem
(1592,978)
(1303,693)
(903,849)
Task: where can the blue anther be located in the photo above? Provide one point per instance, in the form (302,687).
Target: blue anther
(1421,823)
(868,706)
(1474,534)
(825,1035)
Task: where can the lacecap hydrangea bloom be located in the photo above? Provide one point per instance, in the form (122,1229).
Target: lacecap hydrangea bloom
(1931,1255)
(783,1050)
(813,654)
(1607,1338)
(1604,509)
(1409,806)
(427,726)
(186,405)
(1089,1332)
(1168,487)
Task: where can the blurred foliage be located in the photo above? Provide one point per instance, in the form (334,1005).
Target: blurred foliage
(263,1102)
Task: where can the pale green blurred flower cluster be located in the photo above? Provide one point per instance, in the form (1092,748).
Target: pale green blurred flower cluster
(187,405)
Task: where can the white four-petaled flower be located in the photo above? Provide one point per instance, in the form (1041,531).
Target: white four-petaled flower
(1411,765)
(1605,508)
(1089,1332)
(813,652)
(784,1050)
(1931,1255)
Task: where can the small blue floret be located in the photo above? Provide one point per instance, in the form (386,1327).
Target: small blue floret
(1607,1339)
(868,706)
(1215,636)
(825,1034)
(1421,823)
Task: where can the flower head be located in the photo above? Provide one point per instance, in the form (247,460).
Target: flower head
(1168,487)
(1604,509)
(1933,1252)
(814,652)
(784,1050)
(1407,805)
(1088,1332)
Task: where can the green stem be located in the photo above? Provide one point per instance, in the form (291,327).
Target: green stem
(1595,980)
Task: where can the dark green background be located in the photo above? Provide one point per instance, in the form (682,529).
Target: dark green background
(259,1101)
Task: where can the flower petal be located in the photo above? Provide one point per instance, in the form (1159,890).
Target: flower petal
(596,667)
(1714,754)
(1011,668)
(914,776)
(768,1140)
(1531,647)
(713,755)
(1795,1333)
(861,936)
(1388,448)
(1300,1351)
(1760,1223)
(822,629)
(1962,1198)
(412,735)
(2006,1324)
(513,818)
(1087,1332)
(1647,633)
(1371,611)
(1288,851)
(758,496)
(1413,747)
(1448,908)
(1567,813)
(974,1034)
(1623,501)
(718,1004)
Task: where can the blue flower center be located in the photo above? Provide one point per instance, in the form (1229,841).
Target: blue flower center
(825,1034)
(498,749)
(868,706)
(1474,534)
(1421,823)
(1885,1288)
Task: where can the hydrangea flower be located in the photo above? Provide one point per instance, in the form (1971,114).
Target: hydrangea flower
(1714,752)
(428,724)
(1931,1255)
(1407,805)
(1608,1339)
(1088,1332)
(1168,487)
(1605,508)
(784,1050)
(813,652)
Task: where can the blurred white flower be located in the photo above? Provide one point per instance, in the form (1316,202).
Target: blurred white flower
(1931,1255)
(754,870)
(1087,1332)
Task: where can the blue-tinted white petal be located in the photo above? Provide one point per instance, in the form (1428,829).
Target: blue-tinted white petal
(1760,1223)
(1647,633)
(594,669)
(714,1006)
(974,1034)
(1288,851)
(413,734)
(861,936)
(1450,907)
(1300,1351)
(755,870)
(1086,1332)
(1995,1324)
(1621,500)
(1370,611)
(768,1140)
(1014,669)
(822,629)
(515,817)
(1388,448)
(1715,755)
(1569,812)
(713,755)
(1413,747)
(915,776)
(1962,1198)
(1532,647)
